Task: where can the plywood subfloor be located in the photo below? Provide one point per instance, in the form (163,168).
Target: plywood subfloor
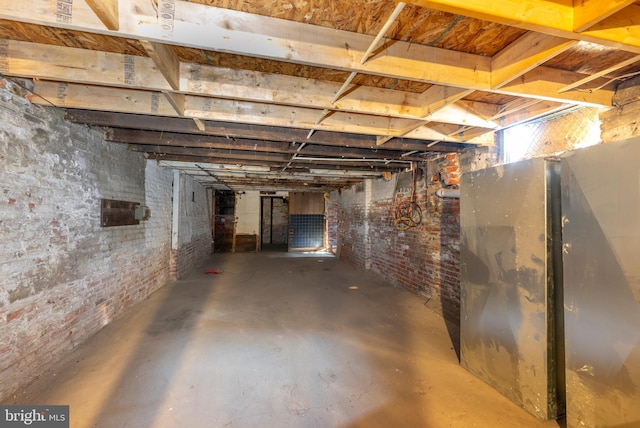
(275,340)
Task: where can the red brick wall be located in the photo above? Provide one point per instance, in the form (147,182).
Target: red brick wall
(423,259)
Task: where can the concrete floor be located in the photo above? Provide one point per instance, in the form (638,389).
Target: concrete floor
(276,340)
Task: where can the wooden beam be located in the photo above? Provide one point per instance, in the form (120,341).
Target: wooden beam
(532,112)
(278,165)
(200,124)
(599,74)
(587,13)
(554,80)
(216,29)
(177,101)
(278,158)
(436,98)
(166,60)
(238,130)
(556,18)
(107,12)
(618,30)
(32,60)
(468,113)
(528,52)
(160,139)
(145,102)
(383,31)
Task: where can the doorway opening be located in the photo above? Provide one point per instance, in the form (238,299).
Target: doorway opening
(274,224)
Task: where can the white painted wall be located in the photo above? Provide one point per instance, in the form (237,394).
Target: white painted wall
(248,212)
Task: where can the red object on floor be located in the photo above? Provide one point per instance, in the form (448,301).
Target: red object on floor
(212,271)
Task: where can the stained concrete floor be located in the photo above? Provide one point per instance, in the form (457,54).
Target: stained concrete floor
(276,340)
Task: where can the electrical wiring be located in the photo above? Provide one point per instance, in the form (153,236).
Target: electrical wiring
(407,213)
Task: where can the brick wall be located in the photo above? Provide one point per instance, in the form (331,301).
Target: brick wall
(194,241)
(333,209)
(424,259)
(63,277)
(622,121)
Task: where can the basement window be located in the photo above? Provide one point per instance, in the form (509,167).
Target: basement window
(569,129)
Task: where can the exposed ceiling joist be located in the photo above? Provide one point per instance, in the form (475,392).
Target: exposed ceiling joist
(224,30)
(263,96)
(556,18)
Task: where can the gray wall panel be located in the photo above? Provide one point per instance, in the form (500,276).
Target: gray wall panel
(507,312)
(601,234)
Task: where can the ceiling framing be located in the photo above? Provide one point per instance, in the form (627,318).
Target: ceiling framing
(288,95)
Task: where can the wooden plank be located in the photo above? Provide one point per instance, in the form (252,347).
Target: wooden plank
(555,18)
(47,62)
(448,132)
(57,63)
(98,68)
(525,54)
(265,158)
(599,74)
(468,113)
(166,60)
(160,139)
(306,203)
(587,13)
(200,124)
(554,80)
(144,102)
(177,101)
(531,112)
(210,28)
(438,97)
(249,131)
(537,15)
(107,12)
(358,166)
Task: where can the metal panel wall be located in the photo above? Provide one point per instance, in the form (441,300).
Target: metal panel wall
(508,329)
(601,234)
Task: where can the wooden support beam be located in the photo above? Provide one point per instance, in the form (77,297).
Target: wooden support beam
(145,102)
(528,52)
(157,140)
(177,101)
(556,18)
(279,165)
(587,13)
(166,60)
(107,12)
(200,124)
(554,80)
(383,31)
(210,28)
(599,74)
(238,130)
(436,98)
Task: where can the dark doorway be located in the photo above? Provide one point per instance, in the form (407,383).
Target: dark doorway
(274,223)
(225,208)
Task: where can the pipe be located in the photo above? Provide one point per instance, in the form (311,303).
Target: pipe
(448,193)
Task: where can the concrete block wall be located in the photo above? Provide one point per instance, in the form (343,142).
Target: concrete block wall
(62,276)
(194,238)
(423,259)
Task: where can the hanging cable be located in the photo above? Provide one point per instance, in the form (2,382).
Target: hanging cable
(407,213)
